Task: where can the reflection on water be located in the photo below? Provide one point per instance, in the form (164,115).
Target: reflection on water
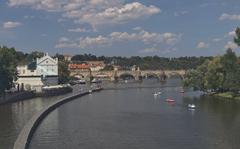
(132,117)
(14,116)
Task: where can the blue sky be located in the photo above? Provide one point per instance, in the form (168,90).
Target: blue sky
(168,28)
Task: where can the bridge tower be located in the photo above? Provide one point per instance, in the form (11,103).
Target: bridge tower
(138,75)
(114,76)
(163,76)
(90,75)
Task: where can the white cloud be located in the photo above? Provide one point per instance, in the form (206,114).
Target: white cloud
(114,15)
(177,14)
(28,17)
(217,39)
(78,30)
(93,12)
(226,16)
(202,45)
(149,50)
(10,24)
(147,38)
(61,20)
(231,45)
(64,42)
(155,49)
(49,5)
(137,28)
(232,34)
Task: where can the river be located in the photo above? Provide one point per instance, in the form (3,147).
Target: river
(127,115)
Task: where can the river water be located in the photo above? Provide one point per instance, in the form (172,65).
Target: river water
(128,116)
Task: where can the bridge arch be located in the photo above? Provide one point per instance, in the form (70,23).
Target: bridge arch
(101,75)
(175,74)
(151,75)
(126,75)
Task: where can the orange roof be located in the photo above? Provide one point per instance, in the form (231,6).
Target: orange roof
(79,66)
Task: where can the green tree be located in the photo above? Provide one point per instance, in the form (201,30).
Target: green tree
(7,68)
(237,38)
(193,79)
(230,66)
(196,78)
(214,77)
(108,67)
(64,73)
(33,56)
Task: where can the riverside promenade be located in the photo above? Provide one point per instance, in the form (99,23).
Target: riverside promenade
(27,132)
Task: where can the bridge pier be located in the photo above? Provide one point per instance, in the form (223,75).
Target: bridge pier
(114,76)
(138,75)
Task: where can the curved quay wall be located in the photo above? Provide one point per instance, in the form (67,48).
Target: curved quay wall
(28,130)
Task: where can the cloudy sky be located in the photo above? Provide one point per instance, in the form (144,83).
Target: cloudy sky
(169,28)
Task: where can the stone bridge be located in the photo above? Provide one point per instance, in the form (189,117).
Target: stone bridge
(136,74)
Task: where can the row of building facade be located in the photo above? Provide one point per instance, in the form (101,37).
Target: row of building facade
(44,71)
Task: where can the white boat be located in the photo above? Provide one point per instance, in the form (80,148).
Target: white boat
(192,106)
(81,81)
(90,91)
(96,81)
(157,93)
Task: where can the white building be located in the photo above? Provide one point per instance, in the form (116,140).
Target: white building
(37,74)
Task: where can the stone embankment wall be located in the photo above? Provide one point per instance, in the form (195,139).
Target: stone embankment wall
(27,132)
(17,96)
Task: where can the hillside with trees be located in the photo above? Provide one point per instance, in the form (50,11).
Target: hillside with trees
(148,62)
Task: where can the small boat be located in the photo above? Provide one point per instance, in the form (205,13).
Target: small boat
(90,91)
(81,82)
(126,81)
(96,81)
(191,106)
(155,94)
(170,100)
(182,91)
(159,93)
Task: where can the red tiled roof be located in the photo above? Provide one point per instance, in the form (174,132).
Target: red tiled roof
(79,66)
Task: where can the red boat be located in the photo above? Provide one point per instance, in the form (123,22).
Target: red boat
(170,100)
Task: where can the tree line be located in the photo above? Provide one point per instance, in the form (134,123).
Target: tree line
(148,62)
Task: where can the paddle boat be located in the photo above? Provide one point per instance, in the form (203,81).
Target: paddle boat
(157,93)
(170,100)
(191,106)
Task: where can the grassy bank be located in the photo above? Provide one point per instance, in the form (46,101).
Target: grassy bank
(228,95)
